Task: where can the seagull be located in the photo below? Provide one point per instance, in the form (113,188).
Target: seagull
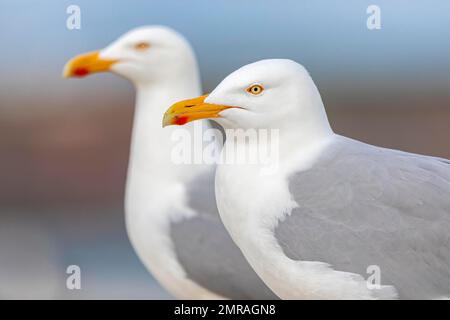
(171,214)
(336,218)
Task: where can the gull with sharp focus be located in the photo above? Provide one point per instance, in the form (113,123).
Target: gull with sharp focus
(335,208)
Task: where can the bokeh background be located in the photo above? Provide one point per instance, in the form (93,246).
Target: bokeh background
(64,143)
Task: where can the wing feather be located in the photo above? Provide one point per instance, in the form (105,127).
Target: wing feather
(208,254)
(362,205)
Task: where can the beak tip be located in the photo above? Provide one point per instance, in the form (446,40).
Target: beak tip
(66,72)
(166,121)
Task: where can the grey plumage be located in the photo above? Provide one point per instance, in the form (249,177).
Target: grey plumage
(362,205)
(207,252)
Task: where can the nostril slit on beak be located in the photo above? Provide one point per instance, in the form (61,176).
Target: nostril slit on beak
(189,106)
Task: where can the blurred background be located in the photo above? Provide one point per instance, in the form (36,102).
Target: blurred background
(64,143)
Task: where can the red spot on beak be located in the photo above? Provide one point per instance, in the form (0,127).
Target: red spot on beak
(80,72)
(180,120)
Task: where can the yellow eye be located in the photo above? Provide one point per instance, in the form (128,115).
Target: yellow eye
(141,46)
(255,89)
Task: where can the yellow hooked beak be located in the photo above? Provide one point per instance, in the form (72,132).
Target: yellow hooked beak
(186,111)
(85,64)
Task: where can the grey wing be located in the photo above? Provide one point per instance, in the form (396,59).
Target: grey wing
(362,205)
(208,254)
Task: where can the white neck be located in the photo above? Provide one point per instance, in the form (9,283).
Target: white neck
(298,138)
(150,142)
(310,131)
(150,169)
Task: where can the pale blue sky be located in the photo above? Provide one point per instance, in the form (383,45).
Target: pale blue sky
(329,37)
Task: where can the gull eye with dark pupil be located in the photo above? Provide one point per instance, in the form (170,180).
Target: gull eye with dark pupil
(255,89)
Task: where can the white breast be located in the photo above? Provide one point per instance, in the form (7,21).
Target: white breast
(251,205)
(148,230)
(156,192)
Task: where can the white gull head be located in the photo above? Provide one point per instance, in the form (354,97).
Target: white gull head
(145,55)
(274,93)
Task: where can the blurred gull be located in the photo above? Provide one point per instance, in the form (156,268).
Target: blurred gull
(336,208)
(171,213)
